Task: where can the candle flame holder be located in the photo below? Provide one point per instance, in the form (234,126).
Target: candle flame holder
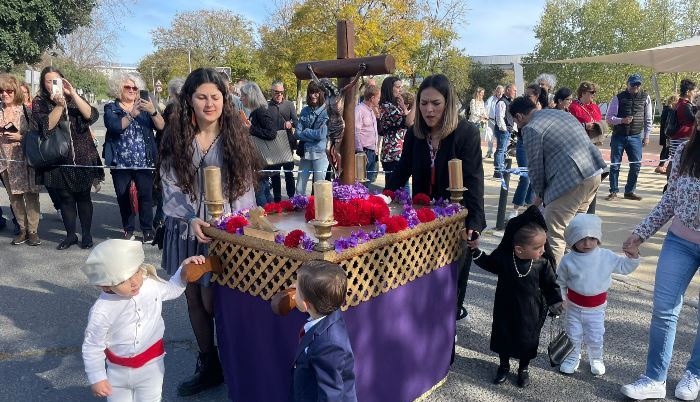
(457,194)
(215,208)
(323,231)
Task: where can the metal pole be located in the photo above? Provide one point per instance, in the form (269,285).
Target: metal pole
(153,80)
(189,59)
(503,198)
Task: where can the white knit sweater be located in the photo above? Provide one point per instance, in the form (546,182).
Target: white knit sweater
(590,274)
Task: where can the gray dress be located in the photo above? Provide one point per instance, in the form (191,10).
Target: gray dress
(179,241)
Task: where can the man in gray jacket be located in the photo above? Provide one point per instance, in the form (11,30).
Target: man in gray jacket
(564,166)
(284,115)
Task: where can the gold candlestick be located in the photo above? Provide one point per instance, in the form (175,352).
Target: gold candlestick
(457,194)
(323,230)
(454,167)
(213,194)
(215,208)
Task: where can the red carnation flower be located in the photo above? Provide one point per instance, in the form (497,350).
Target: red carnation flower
(310,213)
(425,215)
(286,206)
(421,199)
(394,224)
(273,208)
(293,239)
(389,194)
(235,222)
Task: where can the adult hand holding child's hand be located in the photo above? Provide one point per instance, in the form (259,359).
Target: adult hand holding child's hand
(557,308)
(102,388)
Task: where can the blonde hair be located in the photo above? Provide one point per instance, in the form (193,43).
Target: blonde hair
(672,100)
(450,117)
(117,82)
(370,91)
(8,81)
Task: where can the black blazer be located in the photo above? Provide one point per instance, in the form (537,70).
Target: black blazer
(464,143)
(324,364)
(261,124)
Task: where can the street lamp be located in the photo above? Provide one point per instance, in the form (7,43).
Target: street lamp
(153,79)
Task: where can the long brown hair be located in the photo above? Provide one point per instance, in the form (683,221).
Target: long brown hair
(690,160)
(241,160)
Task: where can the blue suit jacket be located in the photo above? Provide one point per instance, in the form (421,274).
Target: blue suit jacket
(323,366)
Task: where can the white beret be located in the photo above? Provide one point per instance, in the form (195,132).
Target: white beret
(582,226)
(113,261)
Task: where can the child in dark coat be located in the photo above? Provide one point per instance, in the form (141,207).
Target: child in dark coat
(526,289)
(324,362)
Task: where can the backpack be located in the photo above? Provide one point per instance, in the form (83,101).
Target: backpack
(671,123)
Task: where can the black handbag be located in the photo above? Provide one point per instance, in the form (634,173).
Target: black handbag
(274,152)
(55,149)
(560,346)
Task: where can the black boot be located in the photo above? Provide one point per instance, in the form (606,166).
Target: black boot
(208,374)
(523,378)
(501,374)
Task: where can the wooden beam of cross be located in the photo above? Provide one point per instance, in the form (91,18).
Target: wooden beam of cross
(347,69)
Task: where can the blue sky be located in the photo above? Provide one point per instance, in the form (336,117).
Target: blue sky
(502,29)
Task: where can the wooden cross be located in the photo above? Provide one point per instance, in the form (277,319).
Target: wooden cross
(345,68)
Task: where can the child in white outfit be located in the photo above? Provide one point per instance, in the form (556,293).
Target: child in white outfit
(584,276)
(125,326)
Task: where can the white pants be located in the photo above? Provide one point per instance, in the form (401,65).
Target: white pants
(586,325)
(143,384)
(487,135)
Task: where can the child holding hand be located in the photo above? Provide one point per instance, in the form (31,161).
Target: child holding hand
(125,326)
(584,276)
(526,289)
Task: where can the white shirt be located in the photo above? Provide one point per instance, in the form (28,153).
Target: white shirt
(590,274)
(126,325)
(310,323)
(490,109)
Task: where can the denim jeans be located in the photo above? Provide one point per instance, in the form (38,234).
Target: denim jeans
(678,262)
(317,166)
(372,165)
(502,141)
(632,144)
(523,193)
(263,194)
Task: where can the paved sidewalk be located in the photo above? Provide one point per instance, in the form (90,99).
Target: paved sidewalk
(44,303)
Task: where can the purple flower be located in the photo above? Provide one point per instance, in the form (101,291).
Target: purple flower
(307,243)
(340,245)
(279,238)
(441,202)
(452,209)
(362,236)
(378,232)
(299,202)
(239,231)
(402,196)
(347,192)
(411,216)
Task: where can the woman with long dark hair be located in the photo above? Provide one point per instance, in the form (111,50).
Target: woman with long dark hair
(203,130)
(72,184)
(394,118)
(438,136)
(312,133)
(678,262)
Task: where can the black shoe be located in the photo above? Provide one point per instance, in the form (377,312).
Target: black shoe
(86,243)
(147,237)
(208,374)
(67,242)
(632,196)
(497,175)
(3,223)
(523,378)
(611,197)
(462,313)
(128,235)
(501,374)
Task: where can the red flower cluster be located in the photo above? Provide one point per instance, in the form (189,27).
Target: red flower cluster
(389,194)
(235,222)
(394,224)
(425,215)
(278,207)
(293,239)
(421,199)
(356,212)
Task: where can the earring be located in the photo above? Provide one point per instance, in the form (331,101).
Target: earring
(193,120)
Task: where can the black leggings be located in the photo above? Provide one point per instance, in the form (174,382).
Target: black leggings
(505,362)
(75,205)
(200,306)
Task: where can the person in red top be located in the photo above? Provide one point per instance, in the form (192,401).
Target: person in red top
(584,108)
(685,117)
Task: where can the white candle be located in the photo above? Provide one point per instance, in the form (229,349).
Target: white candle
(360,166)
(212,184)
(455,169)
(323,200)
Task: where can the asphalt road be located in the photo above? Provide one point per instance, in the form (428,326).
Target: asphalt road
(44,301)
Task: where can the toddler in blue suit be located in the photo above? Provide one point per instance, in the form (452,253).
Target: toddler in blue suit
(324,362)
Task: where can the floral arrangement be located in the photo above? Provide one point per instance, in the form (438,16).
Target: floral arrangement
(355,212)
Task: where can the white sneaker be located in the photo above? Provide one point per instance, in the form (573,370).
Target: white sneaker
(570,364)
(597,367)
(644,388)
(512,215)
(688,387)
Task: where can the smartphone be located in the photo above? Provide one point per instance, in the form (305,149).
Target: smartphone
(474,236)
(10,128)
(57,86)
(144,94)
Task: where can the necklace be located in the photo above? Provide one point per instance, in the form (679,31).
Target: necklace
(517,271)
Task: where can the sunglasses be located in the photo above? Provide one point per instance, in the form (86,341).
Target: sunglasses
(278,92)
(7,91)
(637,84)
(591,92)
(130,88)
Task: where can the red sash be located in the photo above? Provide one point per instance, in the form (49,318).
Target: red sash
(586,301)
(140,359)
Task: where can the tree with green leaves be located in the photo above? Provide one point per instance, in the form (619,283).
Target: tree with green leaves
(29,28)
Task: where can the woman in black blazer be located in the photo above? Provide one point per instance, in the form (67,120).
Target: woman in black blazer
(438,136)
